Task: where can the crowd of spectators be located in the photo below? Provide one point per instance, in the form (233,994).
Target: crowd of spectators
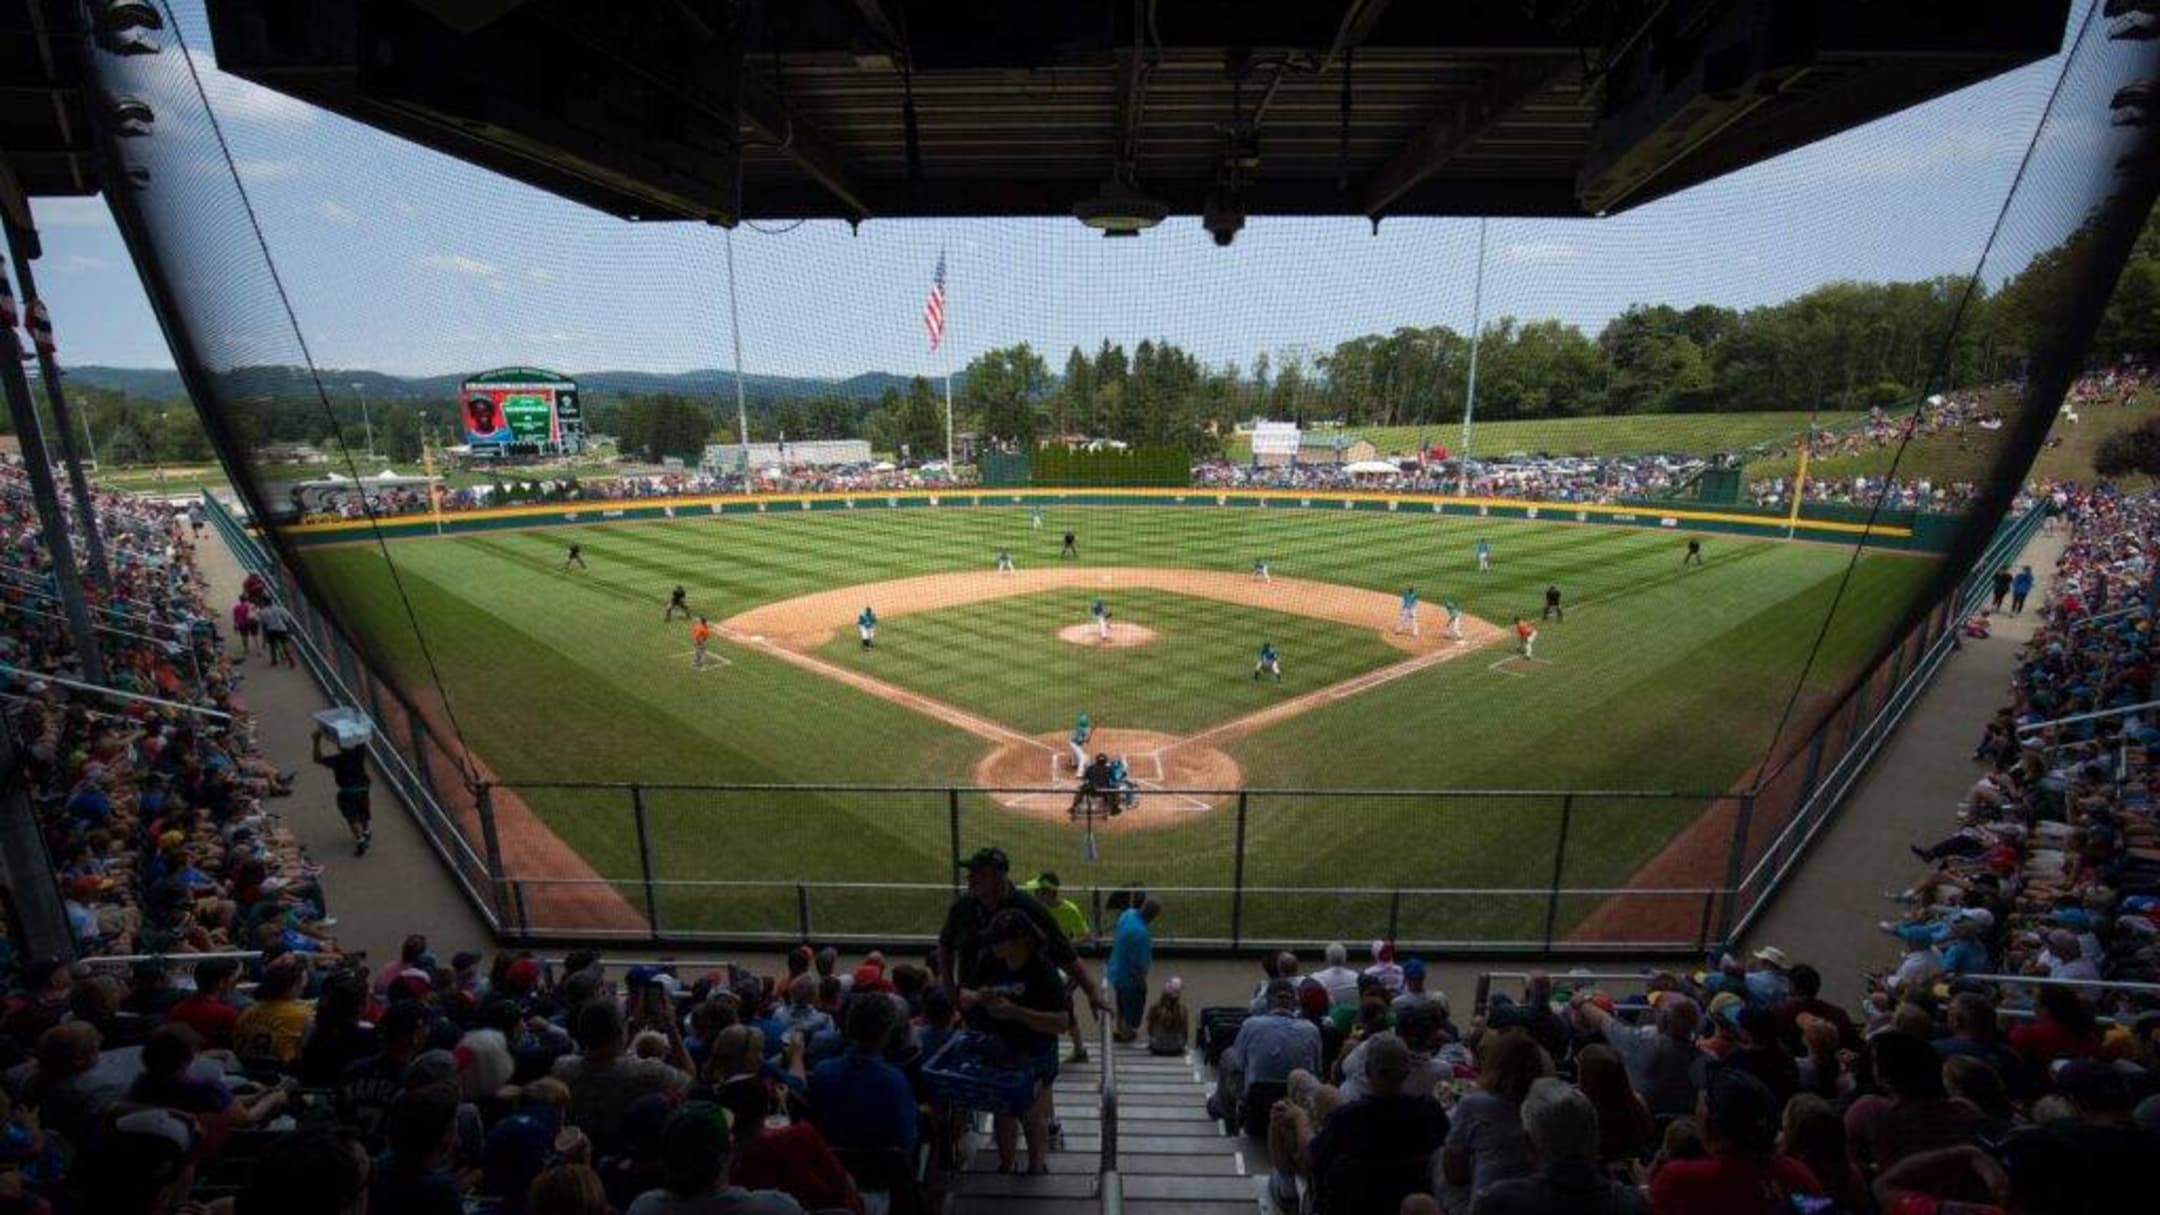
(315,502)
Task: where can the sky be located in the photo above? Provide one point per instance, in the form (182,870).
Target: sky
(400,260)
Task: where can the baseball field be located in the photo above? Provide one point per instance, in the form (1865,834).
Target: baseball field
(1660,678)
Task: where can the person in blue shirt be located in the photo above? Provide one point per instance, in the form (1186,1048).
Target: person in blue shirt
(860,1102)
(1132,955)
(2020,587)
(866,625)
(1484,556)
(1407,622)
(1270,662)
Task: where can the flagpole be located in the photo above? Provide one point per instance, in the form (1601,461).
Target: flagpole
(950,471)
(1477,327)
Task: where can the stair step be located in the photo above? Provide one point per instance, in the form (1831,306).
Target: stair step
(1155,1145)
(963,1204)
(1166,1187)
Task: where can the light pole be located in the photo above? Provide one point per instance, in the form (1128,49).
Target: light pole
(365,425)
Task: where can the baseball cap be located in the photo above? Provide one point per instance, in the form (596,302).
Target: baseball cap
(1774,956)
(2077,919)
(464,959)
(1413,968)
(987,858)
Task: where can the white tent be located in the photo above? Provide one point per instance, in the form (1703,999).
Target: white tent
(1372,468)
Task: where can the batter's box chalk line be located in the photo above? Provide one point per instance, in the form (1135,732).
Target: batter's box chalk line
(1501,665)
(712,660)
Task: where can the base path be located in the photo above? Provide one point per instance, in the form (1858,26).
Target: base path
(1033,774)
(809,621)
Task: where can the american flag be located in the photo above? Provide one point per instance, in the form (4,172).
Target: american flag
(933,309)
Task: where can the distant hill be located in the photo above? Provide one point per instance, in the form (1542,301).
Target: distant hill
(164,384)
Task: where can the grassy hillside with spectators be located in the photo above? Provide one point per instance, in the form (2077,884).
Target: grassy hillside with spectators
(1969,455)
(1693,433)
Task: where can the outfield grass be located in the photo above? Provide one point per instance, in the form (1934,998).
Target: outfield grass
(1660,679)
(1003,659)
(1694,433)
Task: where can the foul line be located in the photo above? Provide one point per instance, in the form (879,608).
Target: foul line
(1355,685)
(981,727)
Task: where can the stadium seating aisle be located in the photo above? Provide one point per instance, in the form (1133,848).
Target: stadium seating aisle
(400,883)
(1172,1156)
(1901,797)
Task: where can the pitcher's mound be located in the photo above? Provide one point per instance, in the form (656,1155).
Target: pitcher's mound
(1121,636)
(1037,779)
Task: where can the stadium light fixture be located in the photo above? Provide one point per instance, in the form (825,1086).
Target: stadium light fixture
(1119,210)
(127,42)
(132,117)
(2133,104)
(119,16)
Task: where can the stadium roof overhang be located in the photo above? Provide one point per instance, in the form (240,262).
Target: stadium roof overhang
(785,109)
(46,145)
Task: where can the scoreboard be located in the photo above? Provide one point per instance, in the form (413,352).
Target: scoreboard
(521,411)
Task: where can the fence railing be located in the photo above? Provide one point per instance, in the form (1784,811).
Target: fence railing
(1507,870)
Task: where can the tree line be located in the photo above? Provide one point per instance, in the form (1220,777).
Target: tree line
(1840,346)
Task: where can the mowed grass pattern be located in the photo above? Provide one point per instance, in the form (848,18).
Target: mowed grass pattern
(1003,659)
(1660,678)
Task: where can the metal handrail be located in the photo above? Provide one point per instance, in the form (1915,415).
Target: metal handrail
(1252,790)
(2145,989)
(1110,1187)
(1482,993)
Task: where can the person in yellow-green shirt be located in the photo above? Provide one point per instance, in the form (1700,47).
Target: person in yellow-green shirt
(273,1026)
(1072,920)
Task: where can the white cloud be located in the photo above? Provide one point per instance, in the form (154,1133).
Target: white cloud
(1539,252)
(540,276)
(407,210)
(257,172)
(337,213)
(70,213)
(461,264)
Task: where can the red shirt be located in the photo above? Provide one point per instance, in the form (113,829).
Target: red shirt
(1726,1183)
(1524,630)
(212,1018)
(796,1161)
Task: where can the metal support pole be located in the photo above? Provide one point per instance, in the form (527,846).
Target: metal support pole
(52,521)
(1559,868)
(952,816)
(645,859)
(491,843)
(1477,326)
(1736,861)
(31,886)
(22,245)
(1237,877)
(742,411)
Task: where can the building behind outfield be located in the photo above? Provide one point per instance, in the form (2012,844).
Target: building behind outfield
(723,458)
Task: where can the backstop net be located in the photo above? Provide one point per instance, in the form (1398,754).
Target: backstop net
(1496,581)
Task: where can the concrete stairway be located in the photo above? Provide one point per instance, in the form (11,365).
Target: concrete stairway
(1172,1158)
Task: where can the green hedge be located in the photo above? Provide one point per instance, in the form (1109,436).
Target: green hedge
(1131,466)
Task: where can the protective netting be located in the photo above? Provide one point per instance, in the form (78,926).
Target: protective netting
(1602,625)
